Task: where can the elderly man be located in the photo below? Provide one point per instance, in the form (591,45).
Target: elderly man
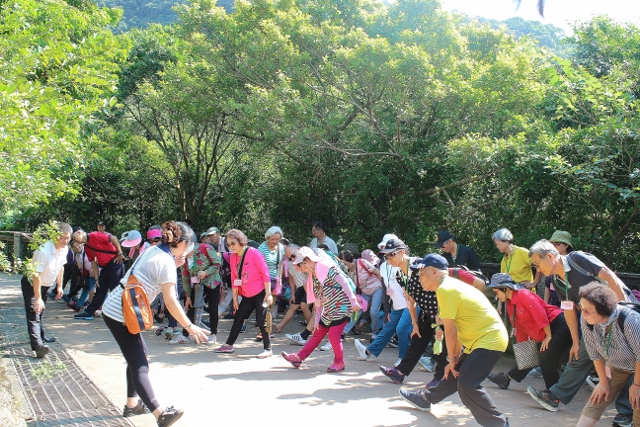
(320,237)
(470,321)
(569,273)
(48,261)
(455,253)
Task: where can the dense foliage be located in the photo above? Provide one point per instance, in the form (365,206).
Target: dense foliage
(373,118)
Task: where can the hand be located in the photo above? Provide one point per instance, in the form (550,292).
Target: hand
(188,304)
(198,334)
(292,301)
(415,331)
(235,305)
(58,292)
(545,344)
(38,306)
(119,259)
(179,260)
(634,396)
(202,275)
(97,284)
(529,285)
(356,307)
(575,350)
(450,368)
(601,391)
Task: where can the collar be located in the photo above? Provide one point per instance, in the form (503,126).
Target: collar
(565,263)
(611,318)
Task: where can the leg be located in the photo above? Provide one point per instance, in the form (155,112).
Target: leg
(386,334)
(33,318)
(374,307)
(573,376)
(560,342)
(335,338)
(313,342)
(244,310)
(261,319)
(213,296)
(403,330)
(190,312)
(619,381)
(473,372)
(417,347)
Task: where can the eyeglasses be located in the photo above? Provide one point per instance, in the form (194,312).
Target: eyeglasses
(391,254)
(291,258)
(585,313)
(556,243)
(231,244)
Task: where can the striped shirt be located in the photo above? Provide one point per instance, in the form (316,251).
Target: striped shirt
(272,258)
(623,347)
(335,302)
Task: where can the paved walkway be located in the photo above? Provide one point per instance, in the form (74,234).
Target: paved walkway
(242,390)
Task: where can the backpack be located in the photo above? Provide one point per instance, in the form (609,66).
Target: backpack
(626,308)
(477,274)
(135,306)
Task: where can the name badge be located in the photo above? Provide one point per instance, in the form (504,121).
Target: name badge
(195,279)
(566,305)
(237,283)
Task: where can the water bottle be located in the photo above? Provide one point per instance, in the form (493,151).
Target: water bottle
(437,345)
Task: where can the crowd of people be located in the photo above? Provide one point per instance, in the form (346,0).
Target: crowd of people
(438,311)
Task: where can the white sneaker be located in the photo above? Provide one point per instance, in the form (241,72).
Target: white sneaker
(212,339)
(296,338)
(326,347)
(97,313)
(361,349)
(180,339)
(265,354)
(395,365)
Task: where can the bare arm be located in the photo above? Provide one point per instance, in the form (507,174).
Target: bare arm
(614,282)
(172,304)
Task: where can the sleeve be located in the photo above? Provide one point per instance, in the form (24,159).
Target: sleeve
(215,259)
(344,284)
(39,259)
(587,262)
(465,276)
(233,265)
(261,264)
(588,335)
(367,265)
(332,246)
(536,308)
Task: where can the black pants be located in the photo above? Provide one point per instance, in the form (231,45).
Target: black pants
(473,369)
(77,281)
(110,277)
(560,342)
(134,351)
(417,346)
(34,320)
(246,306)
(213,298)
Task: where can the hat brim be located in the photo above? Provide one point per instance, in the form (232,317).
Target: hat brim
(131,243)
(438,244)
(386,251)
(503,286)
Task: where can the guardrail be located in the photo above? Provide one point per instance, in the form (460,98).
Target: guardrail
(15,243)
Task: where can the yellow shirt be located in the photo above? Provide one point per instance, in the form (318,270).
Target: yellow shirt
(517,265)
(477,321)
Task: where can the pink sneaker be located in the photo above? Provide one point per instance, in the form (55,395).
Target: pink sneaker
(335,368)
(292,358)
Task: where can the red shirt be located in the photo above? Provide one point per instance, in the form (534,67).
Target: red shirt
(463,276)
(532,315)
(99,245)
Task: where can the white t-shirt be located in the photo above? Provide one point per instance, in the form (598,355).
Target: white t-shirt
(49,261)
(394,290)
(153,269)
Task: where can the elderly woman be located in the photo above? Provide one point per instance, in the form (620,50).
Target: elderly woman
(330,287)
(251,280)
(155,269)
(532,318)
(273,252)
(367,279)
(612,337)
(515,262)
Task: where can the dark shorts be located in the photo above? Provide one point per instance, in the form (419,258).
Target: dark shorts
(300,296)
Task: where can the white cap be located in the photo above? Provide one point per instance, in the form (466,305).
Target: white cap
(385,239)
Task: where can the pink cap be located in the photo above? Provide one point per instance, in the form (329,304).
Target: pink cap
(154,234)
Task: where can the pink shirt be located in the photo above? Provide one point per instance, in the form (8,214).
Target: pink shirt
(255,272)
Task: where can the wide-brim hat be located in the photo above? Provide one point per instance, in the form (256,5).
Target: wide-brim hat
(303,253)
(561,237)
(502,281)
(132,239)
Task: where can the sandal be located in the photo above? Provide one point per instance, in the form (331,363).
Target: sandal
(335,368)
(259,336)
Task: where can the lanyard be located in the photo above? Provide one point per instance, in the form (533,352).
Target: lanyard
(405,277)
(239,267)
(607,339)
(509,260)
(566,284)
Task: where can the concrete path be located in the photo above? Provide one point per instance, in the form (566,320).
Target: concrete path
(244,391)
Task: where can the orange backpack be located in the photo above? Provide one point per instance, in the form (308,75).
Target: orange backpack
(135,306)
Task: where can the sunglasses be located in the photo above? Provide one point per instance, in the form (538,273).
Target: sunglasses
(291,258)
(391,254)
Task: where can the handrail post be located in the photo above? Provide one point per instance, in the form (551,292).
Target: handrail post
(17,245)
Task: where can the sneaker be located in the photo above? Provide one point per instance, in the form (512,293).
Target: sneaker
(593,381)
(428,363)
(83,316)
(159,331)
(243,329)
(393,374)
(169,416)
(326,347)
(42,352)
(98,313)
(265,354)
(398,362)
(433,383)
(361,349)
(335,368)
(224,349)
(535,373)
(212,339)
(393,342)
(417,398)
(622,420)
(139,409)
(501,379)
(168,334)
(180,339)
(296,338)
(545,398)
(292,358)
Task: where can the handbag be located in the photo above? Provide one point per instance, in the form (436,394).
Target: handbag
(526,352)
(136,309)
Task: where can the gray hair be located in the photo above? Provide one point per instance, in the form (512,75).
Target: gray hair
(273,230)
(293,246)
(63,227)
(503,234)
(542,248)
